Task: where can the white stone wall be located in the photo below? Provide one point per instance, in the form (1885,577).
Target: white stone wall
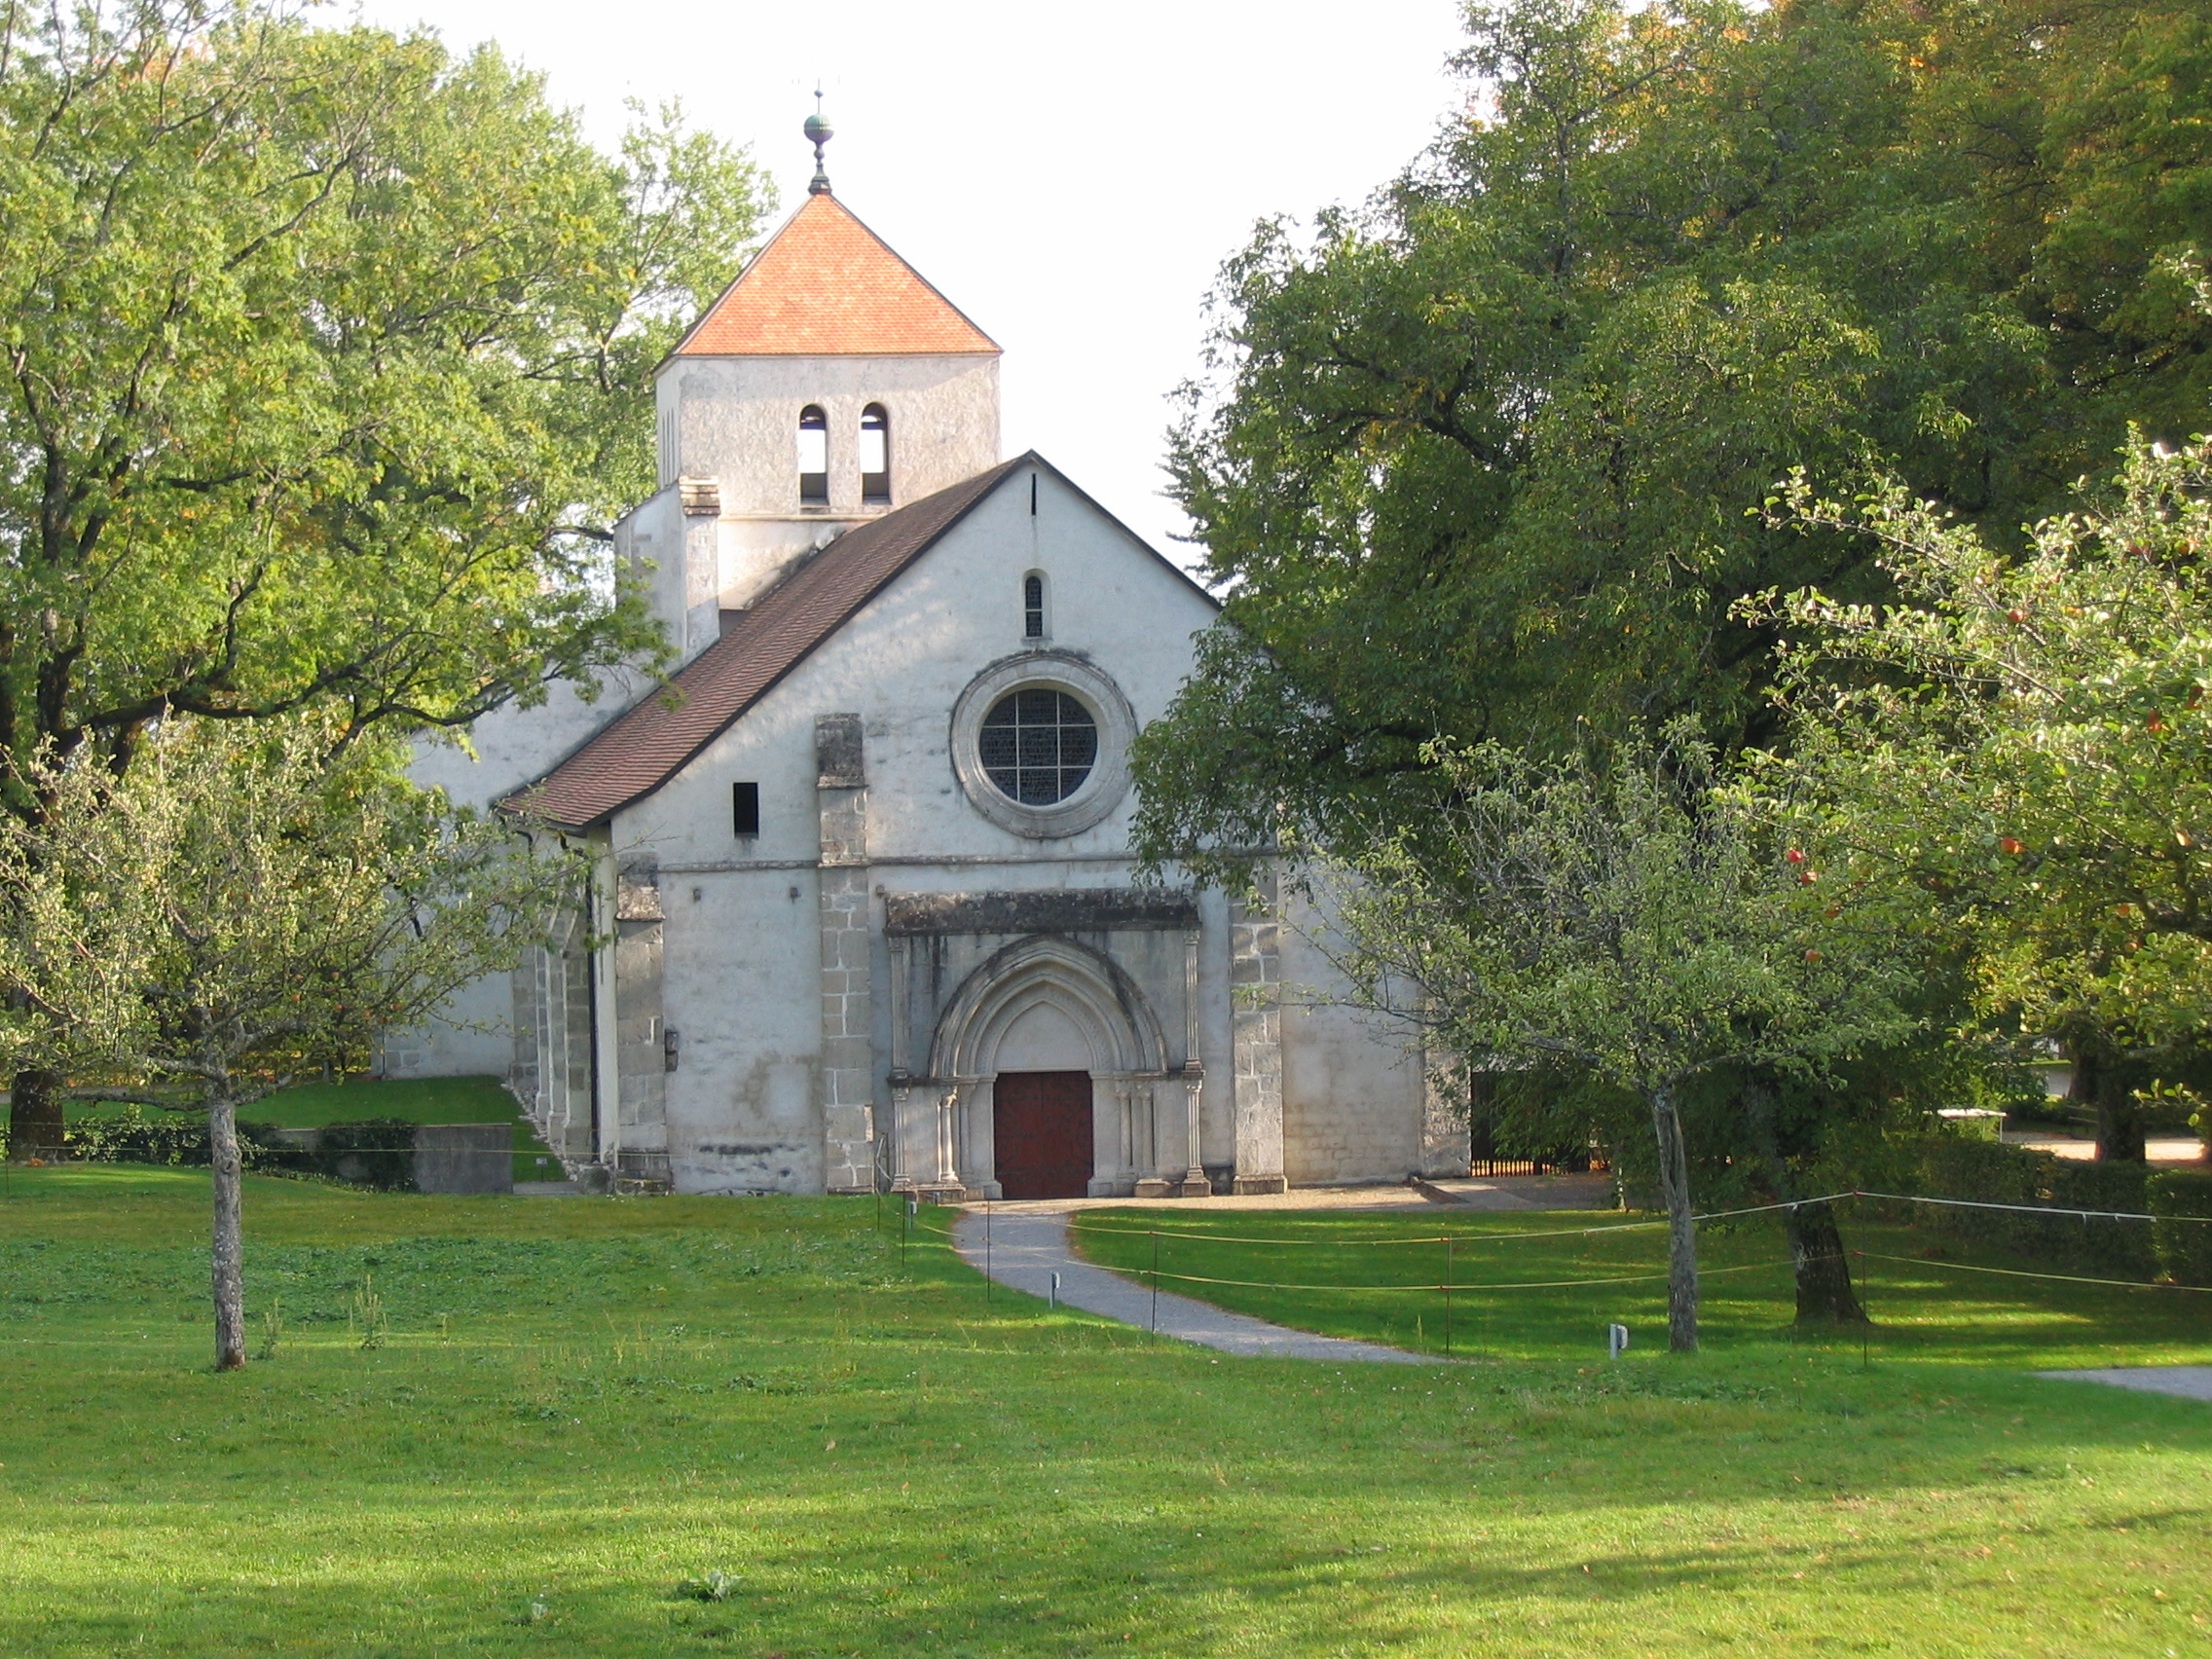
(1354,1088)
(773,1090)
(476,1035)
(744,958)
(736,421)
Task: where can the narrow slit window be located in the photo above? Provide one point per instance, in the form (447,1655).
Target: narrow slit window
(745,808)
(813,455)
(1033,606)
(875,455)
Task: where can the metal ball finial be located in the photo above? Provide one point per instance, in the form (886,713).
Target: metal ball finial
(818,132)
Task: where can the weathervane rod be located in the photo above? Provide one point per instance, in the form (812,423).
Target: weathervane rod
(818,132)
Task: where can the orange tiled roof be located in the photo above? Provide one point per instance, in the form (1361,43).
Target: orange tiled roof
(826,285)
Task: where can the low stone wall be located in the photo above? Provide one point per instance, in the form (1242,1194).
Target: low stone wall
(464,1158)
(457,1159)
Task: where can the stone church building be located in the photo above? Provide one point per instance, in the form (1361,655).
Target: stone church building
(865,904)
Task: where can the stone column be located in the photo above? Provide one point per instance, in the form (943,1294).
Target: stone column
(847,1059)
(602,986)
(1254,981)
(640,1035)
(944,1186)
(1125,1133)
(901,1162)
(1195,1183)
(1153,1156)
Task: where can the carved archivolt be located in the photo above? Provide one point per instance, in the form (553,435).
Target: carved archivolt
(1101,1000)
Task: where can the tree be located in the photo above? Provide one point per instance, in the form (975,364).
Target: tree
(326,367)
(1622,918)
(2018,754)
(235,910)
(1483,460)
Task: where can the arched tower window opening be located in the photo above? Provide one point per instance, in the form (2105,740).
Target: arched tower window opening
(813,457)
(1033,606)
(875,455)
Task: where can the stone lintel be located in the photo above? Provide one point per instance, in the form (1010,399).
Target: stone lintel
(1081,910)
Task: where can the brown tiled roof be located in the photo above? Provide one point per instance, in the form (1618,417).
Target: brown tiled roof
(825,284)
(649,742)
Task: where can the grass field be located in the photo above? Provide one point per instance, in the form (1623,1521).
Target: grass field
(418,1101)
(1934,1301)
(579,1404)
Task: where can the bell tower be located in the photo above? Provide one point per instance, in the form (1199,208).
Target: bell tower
(829,385)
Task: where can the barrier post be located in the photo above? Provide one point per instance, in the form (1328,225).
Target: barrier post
(1867,1312)
(986,1249)
(1155,1279)
(1448,1296)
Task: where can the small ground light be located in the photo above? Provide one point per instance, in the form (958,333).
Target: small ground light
(1053,1299)
(1616,1339)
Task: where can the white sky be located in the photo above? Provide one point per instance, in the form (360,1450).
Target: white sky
(1070,176)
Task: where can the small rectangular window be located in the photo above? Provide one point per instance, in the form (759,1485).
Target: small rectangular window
(745,808)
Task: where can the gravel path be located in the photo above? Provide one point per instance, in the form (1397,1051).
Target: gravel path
(1028,1247)
(2189,1381)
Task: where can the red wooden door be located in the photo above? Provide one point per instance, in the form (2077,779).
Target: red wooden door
(1041,1129)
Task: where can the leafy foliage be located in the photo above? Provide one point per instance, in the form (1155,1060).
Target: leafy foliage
(326,355)
(234,911)
(1622,918)
(2017,756)
(236,907)
(1482,462)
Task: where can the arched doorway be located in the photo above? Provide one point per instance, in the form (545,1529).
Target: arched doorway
(1052,1050)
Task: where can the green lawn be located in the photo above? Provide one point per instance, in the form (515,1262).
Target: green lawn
(583,1402)
(1930,1299)
(418,1101)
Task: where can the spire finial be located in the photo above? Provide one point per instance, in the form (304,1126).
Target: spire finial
(818,132)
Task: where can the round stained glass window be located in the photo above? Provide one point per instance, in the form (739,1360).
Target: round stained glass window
(1038,745)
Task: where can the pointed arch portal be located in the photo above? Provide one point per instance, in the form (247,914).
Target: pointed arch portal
(1044,1063)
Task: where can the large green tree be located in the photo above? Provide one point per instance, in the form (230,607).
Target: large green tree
(2017,754)
(326,360)
(1483,459)
(1618,917)
(237,909)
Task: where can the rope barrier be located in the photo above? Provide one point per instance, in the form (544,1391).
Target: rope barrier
(1451,1239)
(2029,1210)
(1077,1223)
(2015,1272)
(1461,1284)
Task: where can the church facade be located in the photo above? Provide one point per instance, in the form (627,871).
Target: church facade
(864,911)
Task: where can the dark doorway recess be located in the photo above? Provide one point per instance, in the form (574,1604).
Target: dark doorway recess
(1041,1134)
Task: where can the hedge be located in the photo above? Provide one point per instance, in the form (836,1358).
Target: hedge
(2185,1247)
(375,1151)
(1951,1165)
(181,1139)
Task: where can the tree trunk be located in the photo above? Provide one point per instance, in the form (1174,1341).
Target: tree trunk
(35,1122)
(228,1245)
(2103,1084)
(1681,1231)
(1825,1295)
